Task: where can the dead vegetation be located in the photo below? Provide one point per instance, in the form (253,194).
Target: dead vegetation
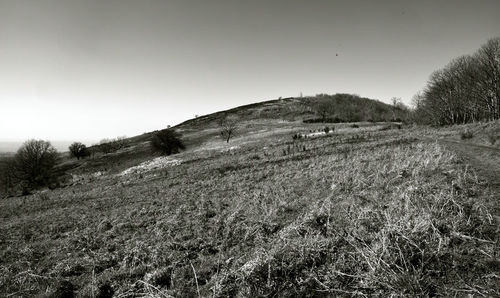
(355,212)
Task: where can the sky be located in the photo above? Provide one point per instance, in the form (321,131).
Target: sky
(93,69)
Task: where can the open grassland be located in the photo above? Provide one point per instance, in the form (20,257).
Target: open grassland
(357,212)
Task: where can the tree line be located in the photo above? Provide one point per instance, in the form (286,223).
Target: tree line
(466,90)
(338,108)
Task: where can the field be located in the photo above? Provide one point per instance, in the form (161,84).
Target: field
(368,211)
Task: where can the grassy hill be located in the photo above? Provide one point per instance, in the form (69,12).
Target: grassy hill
(346,107)
(363,210)
(277,116)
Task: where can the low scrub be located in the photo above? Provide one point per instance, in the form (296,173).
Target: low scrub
(111,145)
(325,120)
(167,142)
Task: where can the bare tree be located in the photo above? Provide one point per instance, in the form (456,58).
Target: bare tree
(228,125)
(488,59)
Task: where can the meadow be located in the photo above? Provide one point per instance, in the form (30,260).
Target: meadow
(360,211)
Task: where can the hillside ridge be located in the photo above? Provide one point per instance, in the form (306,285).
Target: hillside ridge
(302,108)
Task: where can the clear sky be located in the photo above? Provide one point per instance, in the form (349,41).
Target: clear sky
(86,70)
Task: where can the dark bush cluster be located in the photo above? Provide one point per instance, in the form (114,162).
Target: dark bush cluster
(111,145)
(78,150)
(339,108)
(167,142)
(325,120)
(32,167)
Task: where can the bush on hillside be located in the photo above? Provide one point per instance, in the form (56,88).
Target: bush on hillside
(111,145)
(78,150)
(32,166)
(167,142)
(324,120)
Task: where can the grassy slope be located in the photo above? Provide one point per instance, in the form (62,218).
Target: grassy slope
(356,212)
(285,113)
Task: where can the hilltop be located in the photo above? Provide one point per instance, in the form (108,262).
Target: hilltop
(284,115)
(340,107)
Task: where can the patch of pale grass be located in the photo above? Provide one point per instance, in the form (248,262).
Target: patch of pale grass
(395,223)
(150,165)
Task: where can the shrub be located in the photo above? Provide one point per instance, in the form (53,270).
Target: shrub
(466,134)
(111,145)
(78,150)
(354,126)
(324,120)
(33,164)
(326,129)
(167,142)
(106,146)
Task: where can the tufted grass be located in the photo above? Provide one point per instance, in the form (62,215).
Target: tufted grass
(353,213)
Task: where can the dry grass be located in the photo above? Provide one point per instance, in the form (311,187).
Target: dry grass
(482,133)
(358,212)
